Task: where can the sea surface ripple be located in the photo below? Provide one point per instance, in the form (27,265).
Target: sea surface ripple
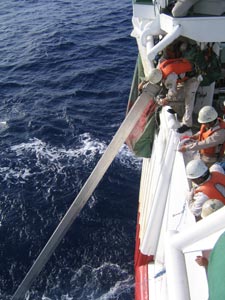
(66,68)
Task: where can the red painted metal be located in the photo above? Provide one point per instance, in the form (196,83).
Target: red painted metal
(141,269)
(141,283)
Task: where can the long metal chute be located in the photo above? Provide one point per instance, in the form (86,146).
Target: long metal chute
(124,130)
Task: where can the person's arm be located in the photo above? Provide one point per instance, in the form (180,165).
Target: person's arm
(189,140)
(196,201)
(202,261)
(213,140)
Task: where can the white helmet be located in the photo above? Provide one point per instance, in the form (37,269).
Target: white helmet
(155,76)
(195,169)
(207,114)
(211,206)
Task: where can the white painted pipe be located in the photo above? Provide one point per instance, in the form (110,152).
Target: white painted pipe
(149,46)
(177,282)
(149,186)
(136,25)
(168,39)
(151,28)
(171,119)
(201,229)
(177,279)
(159,201)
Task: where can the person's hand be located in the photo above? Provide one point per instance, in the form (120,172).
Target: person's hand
(202,261)
(163,101)
(182,149)
(194,137)
(140,86)
(189,196)
(185,137)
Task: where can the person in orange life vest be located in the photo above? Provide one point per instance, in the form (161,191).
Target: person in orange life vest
(207,184)
(210,140)
(174,71)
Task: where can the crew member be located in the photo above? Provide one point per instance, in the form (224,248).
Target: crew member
(207,184)
(210,206)
(174,71)
(210,140)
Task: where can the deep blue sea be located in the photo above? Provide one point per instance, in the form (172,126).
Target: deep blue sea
(66,68)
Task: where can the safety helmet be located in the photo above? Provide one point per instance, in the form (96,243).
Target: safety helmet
(207,114)
(195,169)
(155,76)
(211,206)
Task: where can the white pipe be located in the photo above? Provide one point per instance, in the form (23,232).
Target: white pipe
(149,46)
(201,229)
(151,28)
(177,282)
(137,30)
(171,119)
(159,201)
(168,39)
(177,279)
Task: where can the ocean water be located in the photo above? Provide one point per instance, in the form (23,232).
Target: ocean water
(65,72)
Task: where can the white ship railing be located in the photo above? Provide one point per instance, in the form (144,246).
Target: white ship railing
(177,279)
(168,230)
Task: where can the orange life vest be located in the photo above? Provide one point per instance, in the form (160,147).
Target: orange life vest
(176,65)
(204,134)
(209,187)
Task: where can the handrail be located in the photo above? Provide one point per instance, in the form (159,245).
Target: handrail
(105,161)
(176,242)
(168,39)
